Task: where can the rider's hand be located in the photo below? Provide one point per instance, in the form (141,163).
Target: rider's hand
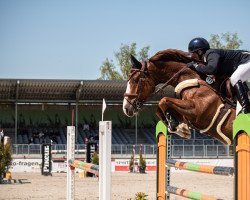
(192,65)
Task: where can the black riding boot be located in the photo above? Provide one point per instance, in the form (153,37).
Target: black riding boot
(172,123)
(242,97)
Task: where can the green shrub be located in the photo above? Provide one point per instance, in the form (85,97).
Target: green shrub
(5,159)
(131,164)
(95,159)
(141,196)
(142,164)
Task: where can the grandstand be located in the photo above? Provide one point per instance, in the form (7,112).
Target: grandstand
(38,111)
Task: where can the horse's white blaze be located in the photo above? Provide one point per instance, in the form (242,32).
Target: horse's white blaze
(125,102)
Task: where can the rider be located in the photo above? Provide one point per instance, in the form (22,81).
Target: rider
(233,63)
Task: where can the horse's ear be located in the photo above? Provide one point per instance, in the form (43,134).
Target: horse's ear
(135,63)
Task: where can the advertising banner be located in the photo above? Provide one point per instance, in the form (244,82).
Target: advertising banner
(46,159)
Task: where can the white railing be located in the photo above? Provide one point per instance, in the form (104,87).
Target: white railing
(179,151)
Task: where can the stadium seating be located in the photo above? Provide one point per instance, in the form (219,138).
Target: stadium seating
(119,136)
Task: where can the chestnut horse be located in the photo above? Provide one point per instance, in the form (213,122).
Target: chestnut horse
(198,104)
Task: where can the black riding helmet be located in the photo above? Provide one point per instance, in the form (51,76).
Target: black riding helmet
(198,44)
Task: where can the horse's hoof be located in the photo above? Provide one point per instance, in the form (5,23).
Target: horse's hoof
(172,122)
(171,126)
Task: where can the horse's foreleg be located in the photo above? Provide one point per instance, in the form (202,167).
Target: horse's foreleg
(168,119)
(160,114)
(179,108)
(185,108)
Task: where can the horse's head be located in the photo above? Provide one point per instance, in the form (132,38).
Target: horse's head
(164,67)
(139,87)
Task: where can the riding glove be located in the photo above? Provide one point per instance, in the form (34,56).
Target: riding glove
(192,65)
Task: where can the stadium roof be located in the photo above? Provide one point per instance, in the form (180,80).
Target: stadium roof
(66,91)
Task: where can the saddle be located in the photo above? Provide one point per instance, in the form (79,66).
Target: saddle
(227,90)
(223,86)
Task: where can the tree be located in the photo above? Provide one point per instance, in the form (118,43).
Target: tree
(225,41)
(109,71)
(108,68)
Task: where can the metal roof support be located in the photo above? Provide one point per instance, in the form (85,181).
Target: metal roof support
(16,119)
(76,122)
(79,91)
(78,95)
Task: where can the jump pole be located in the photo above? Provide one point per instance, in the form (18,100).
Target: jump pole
(88,167)
(241,136)
(218,170)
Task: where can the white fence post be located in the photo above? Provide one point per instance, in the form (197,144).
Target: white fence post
(70,155)
(105,128)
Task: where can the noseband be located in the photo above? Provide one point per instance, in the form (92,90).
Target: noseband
(137,102)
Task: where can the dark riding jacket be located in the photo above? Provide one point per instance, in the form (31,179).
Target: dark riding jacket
(222,61)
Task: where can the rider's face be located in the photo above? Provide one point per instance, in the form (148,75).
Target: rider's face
(199,54)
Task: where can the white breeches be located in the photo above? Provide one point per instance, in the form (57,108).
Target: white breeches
(241,73)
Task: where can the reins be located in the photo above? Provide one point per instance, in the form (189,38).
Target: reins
(165,84)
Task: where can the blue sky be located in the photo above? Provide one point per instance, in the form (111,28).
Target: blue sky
(59,39)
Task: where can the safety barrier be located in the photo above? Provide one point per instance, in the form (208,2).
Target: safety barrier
(242,164)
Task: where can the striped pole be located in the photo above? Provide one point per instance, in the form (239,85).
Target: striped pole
(241,135)
(89,167)
(201,168)
(189,194)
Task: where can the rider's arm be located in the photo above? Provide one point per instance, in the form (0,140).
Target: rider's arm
(211,66)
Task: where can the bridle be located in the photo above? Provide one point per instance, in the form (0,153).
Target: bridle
(137,102)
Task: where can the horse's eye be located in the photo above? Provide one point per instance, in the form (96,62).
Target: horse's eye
(134,81)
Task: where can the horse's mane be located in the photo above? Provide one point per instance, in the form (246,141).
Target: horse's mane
(173,55)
